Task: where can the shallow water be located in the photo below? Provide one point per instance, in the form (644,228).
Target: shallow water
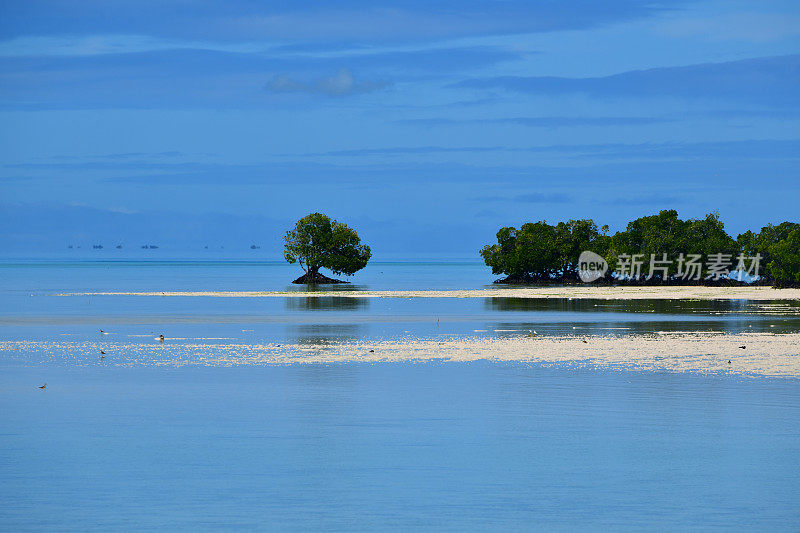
(450,446)
(29,309)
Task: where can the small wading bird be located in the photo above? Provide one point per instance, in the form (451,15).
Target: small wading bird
(161,338)
(103,332)
(43,386)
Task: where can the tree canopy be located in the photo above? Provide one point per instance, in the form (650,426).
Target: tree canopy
(784,264)
(540,252)
(773,243)
(665,233)
(317,242)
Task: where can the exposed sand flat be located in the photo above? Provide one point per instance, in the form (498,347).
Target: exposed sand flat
(575,292)
(764,354)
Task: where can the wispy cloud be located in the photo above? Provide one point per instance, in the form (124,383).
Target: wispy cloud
(530,198)
(542,198)
(488,213)
(744,149)
(748,26)
(541,122)
(407,150)
(98,44)
(767,80)
(378,21)
(558,155)
(341,84)
(659,199)
(218,76)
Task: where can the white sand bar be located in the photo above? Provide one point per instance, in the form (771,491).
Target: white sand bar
(764,354)
(575,292)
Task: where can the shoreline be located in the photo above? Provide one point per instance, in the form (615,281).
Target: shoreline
(764,354)
(572,292)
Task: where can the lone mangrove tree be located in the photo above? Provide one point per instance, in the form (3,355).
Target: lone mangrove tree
(317,242)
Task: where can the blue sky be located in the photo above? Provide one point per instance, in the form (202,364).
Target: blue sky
(425,125)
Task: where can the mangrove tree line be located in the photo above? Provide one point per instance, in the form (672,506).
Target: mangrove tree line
(660,248)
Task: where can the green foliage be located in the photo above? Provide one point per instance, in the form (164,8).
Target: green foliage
(540,252)
(655,234)
(317,242)
(665,233)
(707,236)
(575,236)
(784,264)
(764,243)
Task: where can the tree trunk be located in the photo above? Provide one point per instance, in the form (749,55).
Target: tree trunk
(313,277)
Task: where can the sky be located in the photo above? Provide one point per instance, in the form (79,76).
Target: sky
(425,125)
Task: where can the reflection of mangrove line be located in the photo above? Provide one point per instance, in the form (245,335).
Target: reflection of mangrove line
(317,289)
(622,306)
(324,334)
(326,303)
(621,328)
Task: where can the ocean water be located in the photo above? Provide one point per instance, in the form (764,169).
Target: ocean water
(384,446)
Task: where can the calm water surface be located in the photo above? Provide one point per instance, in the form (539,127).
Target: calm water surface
(445,446)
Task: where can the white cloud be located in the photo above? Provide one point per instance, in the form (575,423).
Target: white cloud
(341,84)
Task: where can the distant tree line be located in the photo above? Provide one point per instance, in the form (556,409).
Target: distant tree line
(660,248)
